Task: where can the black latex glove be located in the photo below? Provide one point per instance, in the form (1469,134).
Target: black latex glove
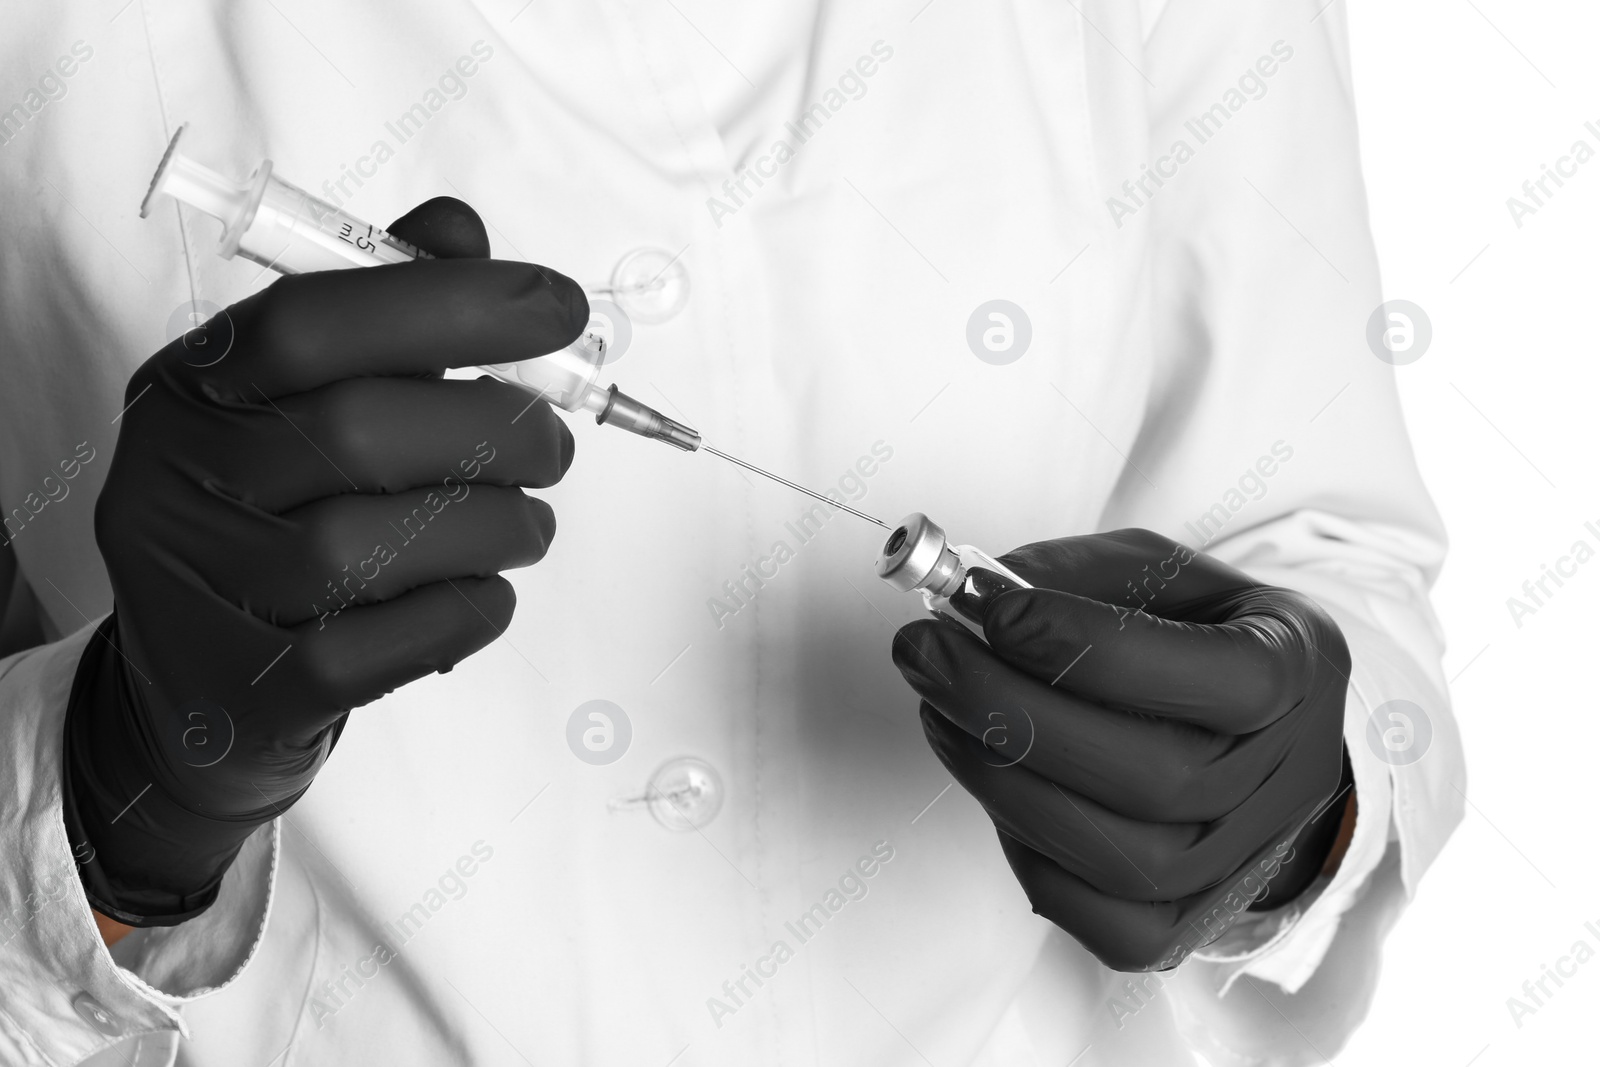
(295,528)
(1150,731)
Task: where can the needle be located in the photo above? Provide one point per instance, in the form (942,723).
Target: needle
(800,488)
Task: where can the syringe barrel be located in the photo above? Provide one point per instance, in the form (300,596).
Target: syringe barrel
(293,232)
(279,225)
(565,378)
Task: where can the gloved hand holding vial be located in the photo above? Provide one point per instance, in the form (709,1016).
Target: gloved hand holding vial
(1156,736)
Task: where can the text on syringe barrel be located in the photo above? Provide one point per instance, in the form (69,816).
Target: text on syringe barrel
(322,238)
(287,217)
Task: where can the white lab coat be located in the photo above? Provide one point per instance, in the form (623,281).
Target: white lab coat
(544,915)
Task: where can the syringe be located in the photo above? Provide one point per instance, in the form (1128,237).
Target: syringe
(282,227)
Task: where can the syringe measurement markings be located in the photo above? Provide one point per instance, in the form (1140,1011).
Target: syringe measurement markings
(798,488)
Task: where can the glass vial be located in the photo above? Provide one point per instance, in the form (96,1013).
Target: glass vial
(956,581)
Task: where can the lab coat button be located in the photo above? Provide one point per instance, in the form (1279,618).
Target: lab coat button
(650,284)
(685,793)
(95,1014)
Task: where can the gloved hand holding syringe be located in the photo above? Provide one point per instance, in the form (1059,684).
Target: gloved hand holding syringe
(280,226)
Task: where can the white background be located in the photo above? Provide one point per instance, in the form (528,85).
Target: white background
(1461,102)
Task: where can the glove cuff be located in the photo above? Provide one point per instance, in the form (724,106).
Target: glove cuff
(150,861)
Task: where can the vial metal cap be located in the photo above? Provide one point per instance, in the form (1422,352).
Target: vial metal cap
(917,557)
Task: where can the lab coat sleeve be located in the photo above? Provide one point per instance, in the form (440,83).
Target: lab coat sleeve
(1273,437)
(67,998)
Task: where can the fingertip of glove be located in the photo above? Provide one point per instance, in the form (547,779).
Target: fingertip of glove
(494,597)
(445,227)
(1008,609)
(922,649)
(569,448)
(569,295)
(913,640)
(1010,618)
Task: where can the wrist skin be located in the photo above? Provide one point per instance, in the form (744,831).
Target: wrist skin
(111,931)
(1347,831)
